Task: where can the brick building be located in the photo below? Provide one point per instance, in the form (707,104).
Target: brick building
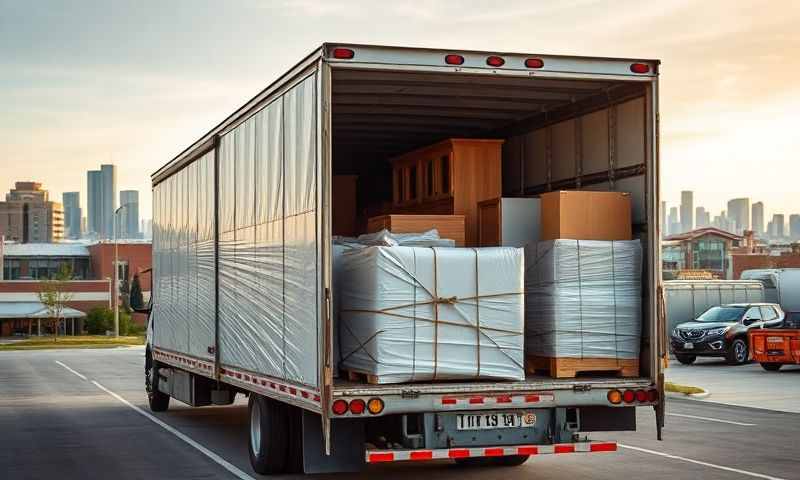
(28,216)
(705,249)
(21,311)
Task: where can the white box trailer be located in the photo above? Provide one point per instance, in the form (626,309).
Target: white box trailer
(686,299)
(781,286)
(242,294)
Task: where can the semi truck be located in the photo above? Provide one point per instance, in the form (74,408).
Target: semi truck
(243,287)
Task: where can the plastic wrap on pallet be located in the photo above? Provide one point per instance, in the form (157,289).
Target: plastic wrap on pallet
(583,299)
(416,314)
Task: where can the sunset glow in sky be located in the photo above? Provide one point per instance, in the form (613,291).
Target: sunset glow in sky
(134,83)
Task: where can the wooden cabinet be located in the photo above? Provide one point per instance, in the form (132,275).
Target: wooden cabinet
(449,178)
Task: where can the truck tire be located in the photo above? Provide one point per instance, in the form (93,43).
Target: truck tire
(269,435)
(771,367)
(158,400)
(504,461)
(686,359)
(738,352)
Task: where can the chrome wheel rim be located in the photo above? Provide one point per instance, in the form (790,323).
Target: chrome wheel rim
(255,428)
(739,349)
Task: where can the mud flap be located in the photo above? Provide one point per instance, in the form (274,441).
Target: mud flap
(660,407)
(347,445)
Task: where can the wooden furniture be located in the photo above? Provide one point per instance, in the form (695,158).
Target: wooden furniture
(449,177)
(508,222)
(343,218)
(449,226)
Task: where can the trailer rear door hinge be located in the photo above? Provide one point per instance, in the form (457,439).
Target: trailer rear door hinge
(409,394)
(581,388)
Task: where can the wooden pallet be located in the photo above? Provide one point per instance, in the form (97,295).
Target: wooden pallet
(565,367)
(361,377)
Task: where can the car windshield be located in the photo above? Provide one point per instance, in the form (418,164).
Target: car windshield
(722,314)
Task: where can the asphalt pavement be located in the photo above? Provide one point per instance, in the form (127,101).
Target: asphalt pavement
(82,414)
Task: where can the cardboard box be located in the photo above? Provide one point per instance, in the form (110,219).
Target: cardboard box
(586,215)
(449,226)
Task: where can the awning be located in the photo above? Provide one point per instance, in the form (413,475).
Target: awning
(34,310)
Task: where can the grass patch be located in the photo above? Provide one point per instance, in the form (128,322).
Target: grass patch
(80,341)
(686,390)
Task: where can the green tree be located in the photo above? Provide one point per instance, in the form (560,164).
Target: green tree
(136,298)
(99,320)
(54,295)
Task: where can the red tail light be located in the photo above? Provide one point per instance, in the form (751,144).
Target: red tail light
(640,68)
(357,406)
(495,61)
(629,396)
(534,63)
(641,396)
(339,407)
(652,396)
(453,59)
(343,53)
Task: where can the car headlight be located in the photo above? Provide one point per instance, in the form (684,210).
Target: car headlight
(717,331)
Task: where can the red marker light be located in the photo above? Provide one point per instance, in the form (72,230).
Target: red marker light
(453,59)
(641,396)
(652,395)
(640,68)
(357,406)
(534,63)
(339,407)
(629,396)
(495,61)
(343,53)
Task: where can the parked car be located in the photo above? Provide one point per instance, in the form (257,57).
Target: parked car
(722,331)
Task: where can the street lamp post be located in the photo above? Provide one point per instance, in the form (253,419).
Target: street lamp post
(116,273)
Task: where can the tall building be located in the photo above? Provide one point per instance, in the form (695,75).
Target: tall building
(758,218)
(101,202)
(662,219)
(794,226)
(739,212)
(702,217)
(778,226)
(129,214)
(674,223)
(687,211)
(28,215)
(72,214)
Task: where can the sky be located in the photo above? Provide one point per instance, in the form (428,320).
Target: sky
(134,83)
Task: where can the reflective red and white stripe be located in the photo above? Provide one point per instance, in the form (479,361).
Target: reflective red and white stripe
(380,456)
(258,383)
(474,401)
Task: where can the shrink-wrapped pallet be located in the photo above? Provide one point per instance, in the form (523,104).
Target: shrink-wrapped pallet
(583,299)
(418,314)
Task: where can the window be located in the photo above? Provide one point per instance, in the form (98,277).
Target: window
(708,254)
(768,313)
(753,314)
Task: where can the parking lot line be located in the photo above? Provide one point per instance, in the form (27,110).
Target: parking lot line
(708,419)
(71,370)
(699,462)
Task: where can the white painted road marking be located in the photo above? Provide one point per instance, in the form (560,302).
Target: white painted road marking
(71,370)
(208,453)
(698,462)
(712,419)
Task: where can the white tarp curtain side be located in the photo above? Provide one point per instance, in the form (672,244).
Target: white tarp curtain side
(268,238)
(583,299)
(417,314)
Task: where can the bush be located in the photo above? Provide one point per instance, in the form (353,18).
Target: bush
(99,320)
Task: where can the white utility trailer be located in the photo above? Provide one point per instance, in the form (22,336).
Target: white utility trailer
(243,294)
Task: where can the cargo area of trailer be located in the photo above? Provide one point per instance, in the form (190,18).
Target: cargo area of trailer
(560,132)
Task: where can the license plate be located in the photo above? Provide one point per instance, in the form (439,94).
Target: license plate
(774,339)
(491,421)
(688,346)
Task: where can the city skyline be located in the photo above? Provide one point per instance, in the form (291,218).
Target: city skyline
(67,112)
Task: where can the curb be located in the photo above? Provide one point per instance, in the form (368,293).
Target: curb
(699,396)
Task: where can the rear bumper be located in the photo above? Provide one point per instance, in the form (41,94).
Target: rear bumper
(383,456)
(775,346)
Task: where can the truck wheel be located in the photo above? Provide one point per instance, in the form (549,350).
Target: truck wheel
(737,353)
(686,359)
(158,400)
(269,435)
(771,367)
